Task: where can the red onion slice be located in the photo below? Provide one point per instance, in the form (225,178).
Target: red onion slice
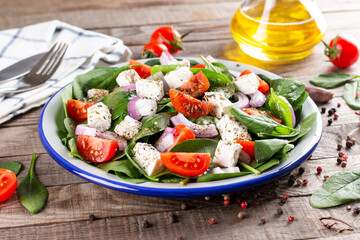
(166,140)
(242,100)
(122,143)
(257,99)
(291,110)
(245,157)
(200,131)
(165,58)
(132,108)
(83,129)
(225,170)
(131,87)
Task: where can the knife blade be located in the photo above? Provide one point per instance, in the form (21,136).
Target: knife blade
(20,68)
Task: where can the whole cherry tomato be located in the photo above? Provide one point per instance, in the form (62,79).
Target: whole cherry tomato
(170,37)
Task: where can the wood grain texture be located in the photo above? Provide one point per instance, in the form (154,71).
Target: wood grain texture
(121,215)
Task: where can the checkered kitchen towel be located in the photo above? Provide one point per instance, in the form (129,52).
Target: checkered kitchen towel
(86,48)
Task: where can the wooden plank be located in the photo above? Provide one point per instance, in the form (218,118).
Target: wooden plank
(193,224)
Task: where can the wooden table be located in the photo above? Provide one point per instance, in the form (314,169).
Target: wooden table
(120,215)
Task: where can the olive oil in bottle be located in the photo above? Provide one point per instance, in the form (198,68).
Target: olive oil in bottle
(278,30)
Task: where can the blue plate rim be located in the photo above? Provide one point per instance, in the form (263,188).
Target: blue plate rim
(170,192)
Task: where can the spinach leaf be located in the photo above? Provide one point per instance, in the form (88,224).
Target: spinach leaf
(128,152)
(279,108)
(99,77)
(130,179)
(342,187)
(13,166)
(72,145)
(153,62)
(168,107)
(124,169)
(31,192)
(196,145)
(304,127)
(267,165)
(351,95)
(291,89)
(249,168)
(206,120)
(266,148)
(331,80)
(217,67)
(70,126)
(219,176)
(117,102)
(261,124)
(218,81)
(265,78)
(152,125)
(66,94)
(163,68)
(61,114)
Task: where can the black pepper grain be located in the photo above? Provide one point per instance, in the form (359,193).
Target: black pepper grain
(339,160)
(173,218)
(280,211)
(262,221)
(339,146)
(323,110)
(301,170)
(146,224)
(92,217)
(330,121)
(290,182)
(356,211)
(283,200)
(349,144)
(292,177)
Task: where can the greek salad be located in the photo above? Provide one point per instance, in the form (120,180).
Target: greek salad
(177,120)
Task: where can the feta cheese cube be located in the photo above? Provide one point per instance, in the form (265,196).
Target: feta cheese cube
(227,154)
(178,77)
(95,95)
(99,116)
(247,84)
(231,129)
(128,127)
(220,105)
(148,158)
(150,88)
(127,77)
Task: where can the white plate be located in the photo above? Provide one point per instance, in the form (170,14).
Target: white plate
(55,148)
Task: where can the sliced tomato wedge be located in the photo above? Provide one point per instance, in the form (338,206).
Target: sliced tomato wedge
(77,110)
(248,147)
(182,133)
(188,105)
(263,87)
(196,86)
(186,164)
(254,111)
(198,66)
(143,70)
(96,149)
(8,184)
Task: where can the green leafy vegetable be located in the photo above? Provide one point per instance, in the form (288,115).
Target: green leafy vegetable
(152,125)
(304,127)
(31,192)
(265,78)
(249,168)
(196,145)
(99,77)
(266,148)
(290,89)
(117,102)
(342,187)
(74,152)
(279,108)
(261,124)
(332,80)
(217,67)
(351,95)
(219,176)
(165,107)
(267,165)
(13,166)
(163,68)
(123,169)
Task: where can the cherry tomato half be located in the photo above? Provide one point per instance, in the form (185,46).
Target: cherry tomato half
(143,70)
(263,87)
(182,133)
(96,149)
(254,111)
(188,105)
(198,66)
(248,147)
(77,110)
(345,52)
(196,86)
(8,184)
(169,36)
(186,164)
(153,49)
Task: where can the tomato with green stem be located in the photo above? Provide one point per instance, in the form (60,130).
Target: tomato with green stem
(153,49)
(170,37)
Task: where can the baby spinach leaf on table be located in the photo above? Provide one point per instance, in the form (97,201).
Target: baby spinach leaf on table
(128,152)
(261,124)
(219,176)
(31,192)
(152,125)
(266,148)
(279,108)
(218,81)
(267,165)
(332,80)
(342,187)
(117,102)
(351,94)
(13,166)
(291,89)
(217,67)
(99,77)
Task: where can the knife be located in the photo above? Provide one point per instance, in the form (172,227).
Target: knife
(20,68)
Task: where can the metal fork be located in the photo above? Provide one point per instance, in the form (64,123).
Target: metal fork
(42,71)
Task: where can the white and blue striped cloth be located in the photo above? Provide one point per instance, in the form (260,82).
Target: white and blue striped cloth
(85,50)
